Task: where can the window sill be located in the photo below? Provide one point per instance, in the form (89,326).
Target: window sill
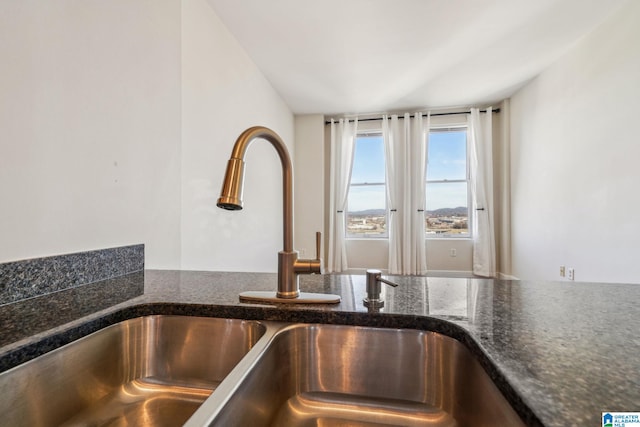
(457,239)
(439,239)
(366,239)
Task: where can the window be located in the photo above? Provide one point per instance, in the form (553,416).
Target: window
(367,201)
(447,187)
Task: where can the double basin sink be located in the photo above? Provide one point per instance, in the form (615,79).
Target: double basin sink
(195,371)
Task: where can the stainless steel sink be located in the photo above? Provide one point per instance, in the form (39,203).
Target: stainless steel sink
(327,375)
(151,371)
(172,370)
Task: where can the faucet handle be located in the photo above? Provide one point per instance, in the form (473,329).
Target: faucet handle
(318,243)
(310,266)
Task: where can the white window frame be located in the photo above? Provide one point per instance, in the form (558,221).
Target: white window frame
(385,235)
(469,234)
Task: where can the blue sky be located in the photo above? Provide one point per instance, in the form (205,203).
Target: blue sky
(447,160)
(368,160)
(447,156)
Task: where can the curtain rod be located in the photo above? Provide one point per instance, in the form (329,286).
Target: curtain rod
(495,110)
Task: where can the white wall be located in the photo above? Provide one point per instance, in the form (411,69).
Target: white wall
(116,122)
(90,127)
(223,93)
(363,254)
(574,160)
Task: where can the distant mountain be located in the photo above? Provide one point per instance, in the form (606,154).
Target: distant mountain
(369,212)
(459,211)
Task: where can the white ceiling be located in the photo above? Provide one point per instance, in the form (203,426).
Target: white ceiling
(365,56)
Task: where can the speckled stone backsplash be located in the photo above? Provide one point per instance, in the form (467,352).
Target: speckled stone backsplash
(33,277)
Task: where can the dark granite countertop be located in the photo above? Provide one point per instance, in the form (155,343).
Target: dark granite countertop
(561,352)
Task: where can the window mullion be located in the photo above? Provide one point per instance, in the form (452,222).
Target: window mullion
(361,184)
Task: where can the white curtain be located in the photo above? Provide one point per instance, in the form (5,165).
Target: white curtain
(343,136)
(481,168)
(394,158)
(405,150)
(416,262)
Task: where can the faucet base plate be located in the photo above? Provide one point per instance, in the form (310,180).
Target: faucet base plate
(303,298)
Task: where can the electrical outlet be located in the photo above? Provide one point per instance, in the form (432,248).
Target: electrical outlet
(572,274)
(453,252)
(562,271)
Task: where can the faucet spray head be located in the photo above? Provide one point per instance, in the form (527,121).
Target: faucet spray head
(231,194)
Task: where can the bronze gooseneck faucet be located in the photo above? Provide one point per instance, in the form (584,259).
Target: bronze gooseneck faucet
(289,266)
